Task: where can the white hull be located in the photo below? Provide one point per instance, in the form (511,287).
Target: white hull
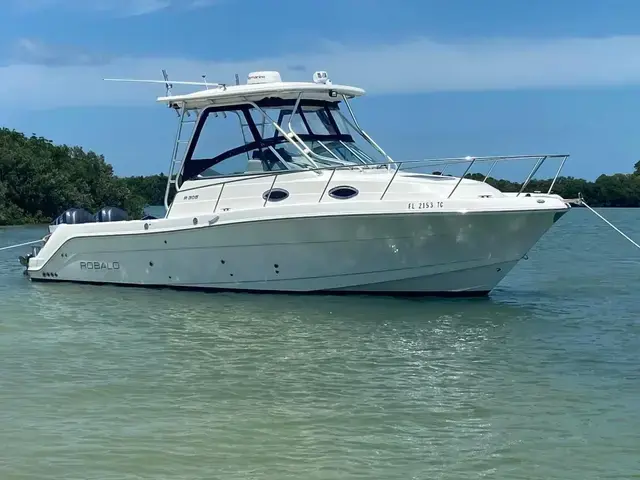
(305,209)
(393,253)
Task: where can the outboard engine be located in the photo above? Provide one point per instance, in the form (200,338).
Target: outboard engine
(111,214)
(74,215)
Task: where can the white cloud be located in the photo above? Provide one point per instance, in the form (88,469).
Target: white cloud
(35,52)
(420,65)
(115,7)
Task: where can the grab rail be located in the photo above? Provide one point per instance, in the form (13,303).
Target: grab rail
(396,166)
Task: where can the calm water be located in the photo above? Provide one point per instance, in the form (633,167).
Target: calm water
(541,381)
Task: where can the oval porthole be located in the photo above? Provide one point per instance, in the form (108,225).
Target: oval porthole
(275,195)
(343,192)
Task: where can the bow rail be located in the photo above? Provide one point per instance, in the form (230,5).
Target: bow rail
(397,166)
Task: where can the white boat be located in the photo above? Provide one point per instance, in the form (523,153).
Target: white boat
(292,203)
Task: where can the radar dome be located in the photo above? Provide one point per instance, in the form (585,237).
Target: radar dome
(255,78)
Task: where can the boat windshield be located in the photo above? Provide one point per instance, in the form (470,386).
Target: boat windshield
(244,140)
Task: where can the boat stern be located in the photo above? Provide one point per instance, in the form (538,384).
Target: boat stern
(26,259)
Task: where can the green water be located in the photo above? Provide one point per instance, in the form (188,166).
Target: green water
(540,381)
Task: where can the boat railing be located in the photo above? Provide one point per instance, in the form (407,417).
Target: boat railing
(396,166)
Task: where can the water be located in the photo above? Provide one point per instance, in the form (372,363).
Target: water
(541,381)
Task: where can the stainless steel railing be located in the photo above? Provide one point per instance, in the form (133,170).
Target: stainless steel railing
(397,166)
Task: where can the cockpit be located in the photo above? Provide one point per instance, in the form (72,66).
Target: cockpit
(272,135)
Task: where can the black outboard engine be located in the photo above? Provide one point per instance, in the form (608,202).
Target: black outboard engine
(111,214)
(74,215)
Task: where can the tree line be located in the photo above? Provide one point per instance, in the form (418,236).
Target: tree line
(39,180)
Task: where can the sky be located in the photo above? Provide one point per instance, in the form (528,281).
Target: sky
(443,77)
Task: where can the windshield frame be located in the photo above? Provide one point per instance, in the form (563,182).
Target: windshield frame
(192,167)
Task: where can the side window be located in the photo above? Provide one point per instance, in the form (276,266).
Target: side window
(224,131)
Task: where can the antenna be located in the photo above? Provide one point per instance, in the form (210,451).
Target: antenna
(169,85)
(166,82)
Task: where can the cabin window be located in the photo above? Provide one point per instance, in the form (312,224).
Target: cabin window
(275,195)
(343,192)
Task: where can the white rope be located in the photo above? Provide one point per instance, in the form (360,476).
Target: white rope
(20,245)
(581,200)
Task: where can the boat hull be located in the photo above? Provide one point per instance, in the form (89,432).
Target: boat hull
(431,254)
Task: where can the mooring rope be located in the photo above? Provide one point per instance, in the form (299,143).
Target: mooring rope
(581,201)
(20,245)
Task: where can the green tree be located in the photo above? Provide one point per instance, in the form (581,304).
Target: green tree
(40,180)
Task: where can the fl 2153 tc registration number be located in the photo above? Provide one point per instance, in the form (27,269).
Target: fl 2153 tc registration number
(424,205)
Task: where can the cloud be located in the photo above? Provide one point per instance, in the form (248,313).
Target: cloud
(34,52)
(112,7)
(419,65)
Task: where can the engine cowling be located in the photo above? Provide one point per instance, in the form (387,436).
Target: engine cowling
(111,214)
(74,215)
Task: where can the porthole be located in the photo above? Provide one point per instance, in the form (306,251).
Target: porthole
(275,195)
(343,192)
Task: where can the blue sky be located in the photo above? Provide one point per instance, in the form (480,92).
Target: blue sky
(443,77)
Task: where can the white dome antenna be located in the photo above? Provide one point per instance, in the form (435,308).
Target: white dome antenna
(255,78)
(321,77)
